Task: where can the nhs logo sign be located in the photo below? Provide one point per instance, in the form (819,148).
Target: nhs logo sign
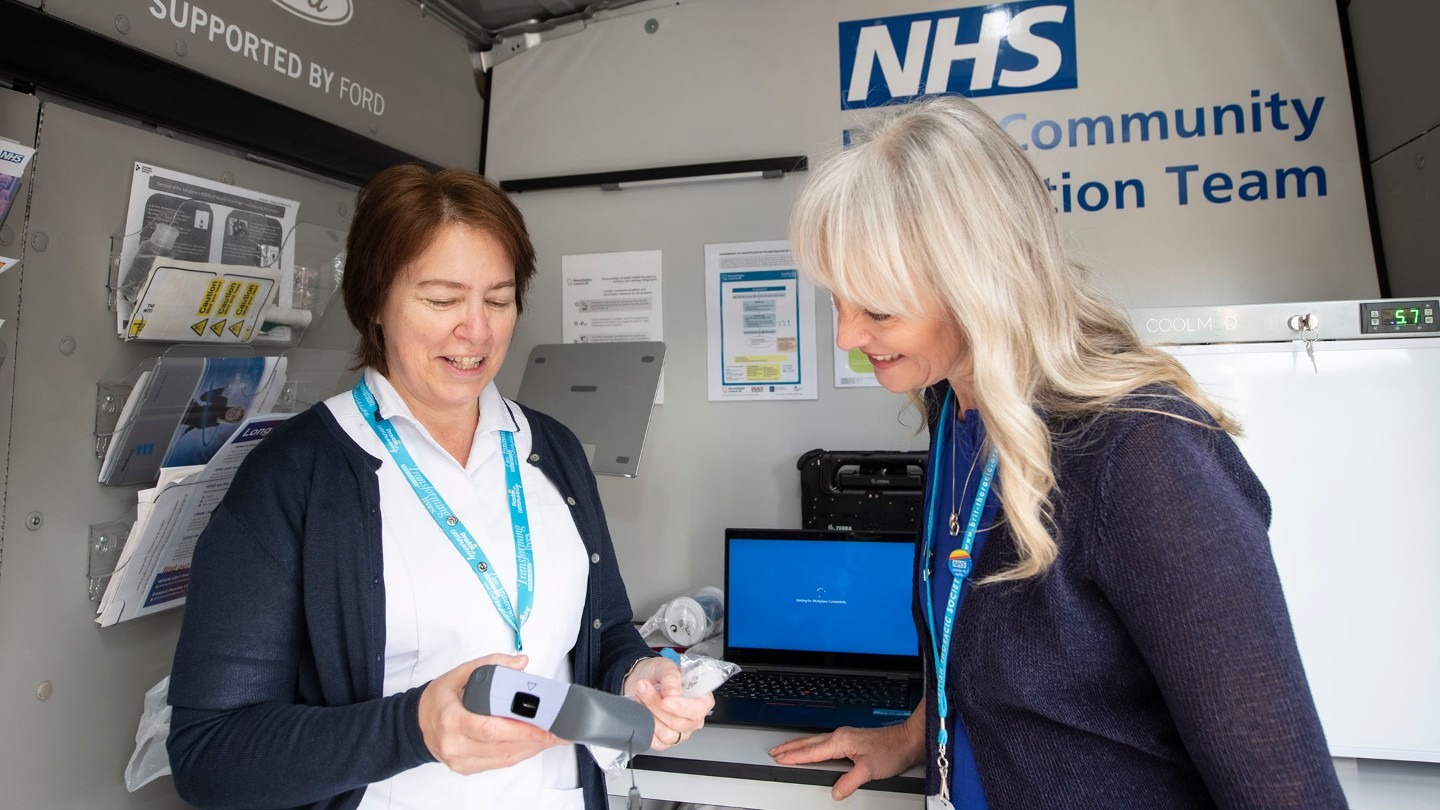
(989,50)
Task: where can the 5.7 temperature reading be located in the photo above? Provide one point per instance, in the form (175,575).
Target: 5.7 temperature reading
(1399,317)
(1402,316)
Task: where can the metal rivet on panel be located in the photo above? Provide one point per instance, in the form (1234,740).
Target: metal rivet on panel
(595,624)
(652,25)
(595,558)
(374,128)
(228,178)
(534,458)
(67,345)
(40,241)
(44,690)
(343,209)
(34,520)
(180,48)
(6,235)
(122,23)
(569,500)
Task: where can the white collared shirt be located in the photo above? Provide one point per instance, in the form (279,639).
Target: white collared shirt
(438,615)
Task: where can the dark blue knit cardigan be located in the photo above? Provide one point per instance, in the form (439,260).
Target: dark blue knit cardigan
(1154,665)
(278,675)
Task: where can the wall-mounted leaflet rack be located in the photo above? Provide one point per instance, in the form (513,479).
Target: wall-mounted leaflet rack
(204,261)
(195,405)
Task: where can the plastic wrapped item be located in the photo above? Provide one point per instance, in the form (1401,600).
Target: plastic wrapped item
(160,245)
(701,674)
(690,618)
(150,760)
(315,286)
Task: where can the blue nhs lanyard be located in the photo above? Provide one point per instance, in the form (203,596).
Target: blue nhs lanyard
(964,564)
(450,524)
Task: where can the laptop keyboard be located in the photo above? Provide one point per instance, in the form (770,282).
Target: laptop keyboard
(881,693)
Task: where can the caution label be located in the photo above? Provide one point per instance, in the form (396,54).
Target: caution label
(231,290)
(218,327)
(251,290)
(207,302)
(199,328)
(137,325)
(236,327)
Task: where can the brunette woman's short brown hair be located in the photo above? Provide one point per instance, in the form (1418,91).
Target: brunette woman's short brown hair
(398,214)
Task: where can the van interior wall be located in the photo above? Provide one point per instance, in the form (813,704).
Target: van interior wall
(746,79)
(717,81)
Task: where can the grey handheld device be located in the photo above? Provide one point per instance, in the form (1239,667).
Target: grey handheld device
(569,711)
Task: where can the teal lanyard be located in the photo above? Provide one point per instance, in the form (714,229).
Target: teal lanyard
(963,565)
(450,524)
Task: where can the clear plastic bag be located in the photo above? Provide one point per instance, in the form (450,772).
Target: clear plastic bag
(699,675)
(150,760)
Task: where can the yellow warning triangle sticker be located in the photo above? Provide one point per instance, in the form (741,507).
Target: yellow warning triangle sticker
(218,327)
(199,327)
(236,327)
(136,327)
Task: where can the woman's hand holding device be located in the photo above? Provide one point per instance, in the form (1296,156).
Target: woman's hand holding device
(467,742)
(656,684)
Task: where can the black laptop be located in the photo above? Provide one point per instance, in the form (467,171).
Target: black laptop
(820,622)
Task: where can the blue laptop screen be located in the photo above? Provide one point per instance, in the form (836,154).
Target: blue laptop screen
(831,596)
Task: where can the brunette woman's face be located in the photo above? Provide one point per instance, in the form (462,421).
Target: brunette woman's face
(448,320)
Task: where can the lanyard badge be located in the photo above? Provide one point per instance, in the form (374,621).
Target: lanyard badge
(449,523)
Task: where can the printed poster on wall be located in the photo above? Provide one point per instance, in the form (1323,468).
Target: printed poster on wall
(760,319)
(612,297)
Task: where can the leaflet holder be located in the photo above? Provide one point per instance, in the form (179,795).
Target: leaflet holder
(178,408)
(298,279)
(106,542)
(111,395)
(862,490)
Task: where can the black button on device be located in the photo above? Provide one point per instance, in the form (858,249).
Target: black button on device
(525,705)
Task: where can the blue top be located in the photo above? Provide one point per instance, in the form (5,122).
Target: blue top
(962,459)
(1154,664)
(278,675)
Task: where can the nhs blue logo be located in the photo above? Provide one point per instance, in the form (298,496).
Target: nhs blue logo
(989,50)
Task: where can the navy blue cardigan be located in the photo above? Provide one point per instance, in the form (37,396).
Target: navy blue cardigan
(1154,665)
(278,675)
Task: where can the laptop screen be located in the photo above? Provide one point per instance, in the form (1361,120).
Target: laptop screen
(820,598)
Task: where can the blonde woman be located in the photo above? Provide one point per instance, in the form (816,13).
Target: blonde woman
(1098,607)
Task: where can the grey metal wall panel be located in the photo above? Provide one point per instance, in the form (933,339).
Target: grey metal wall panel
(70,750)
(1407,201)
(18,117)
(1399,76)
(427,104)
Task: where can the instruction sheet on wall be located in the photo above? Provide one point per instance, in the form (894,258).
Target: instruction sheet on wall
(613,298)
(173,215)
(760,319)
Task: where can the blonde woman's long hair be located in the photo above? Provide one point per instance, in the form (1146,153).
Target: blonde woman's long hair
(935,203)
